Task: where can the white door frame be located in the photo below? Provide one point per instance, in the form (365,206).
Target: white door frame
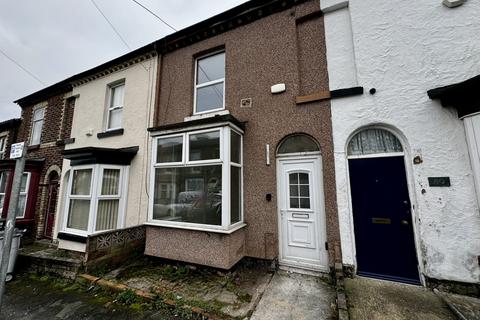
(321,235)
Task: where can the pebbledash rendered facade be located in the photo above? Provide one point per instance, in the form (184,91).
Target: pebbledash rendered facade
(236,137)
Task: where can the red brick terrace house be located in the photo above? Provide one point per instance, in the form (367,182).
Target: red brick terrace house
(242,146)
(8,134)
(45,126)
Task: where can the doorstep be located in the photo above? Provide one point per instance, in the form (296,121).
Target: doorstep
(44,260)
(297,296)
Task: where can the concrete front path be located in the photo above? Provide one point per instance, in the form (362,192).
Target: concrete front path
(383,300)
(296,296)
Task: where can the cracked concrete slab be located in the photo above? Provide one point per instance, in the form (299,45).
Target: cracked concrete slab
(296,296)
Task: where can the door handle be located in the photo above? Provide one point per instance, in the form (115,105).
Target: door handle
(300,215)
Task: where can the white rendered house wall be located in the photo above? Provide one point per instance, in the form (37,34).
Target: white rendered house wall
(402,50)
(137,116)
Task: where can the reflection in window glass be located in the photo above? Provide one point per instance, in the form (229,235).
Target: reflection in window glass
(298,143)
(211,68)
(236,196)
(210,97)
(81,182)
(169,149)
(204,146)
(209,84)
(195,194)
(299,190)
(78,214)
(235,145)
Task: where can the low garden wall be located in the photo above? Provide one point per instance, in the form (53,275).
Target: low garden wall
(109,249)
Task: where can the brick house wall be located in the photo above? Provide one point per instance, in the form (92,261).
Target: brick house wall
(56,129)
(9,129)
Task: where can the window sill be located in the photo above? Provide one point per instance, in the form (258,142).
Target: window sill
(33,147)
(110,133)
(212,230)
(208,114)
(65,142)
(72,237)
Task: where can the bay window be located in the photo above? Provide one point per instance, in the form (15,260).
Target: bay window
(197,179)
(95,198)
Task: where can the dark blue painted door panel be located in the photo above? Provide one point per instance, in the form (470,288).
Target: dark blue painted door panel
(383,220)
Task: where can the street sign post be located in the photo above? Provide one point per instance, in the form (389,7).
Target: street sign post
(17,152)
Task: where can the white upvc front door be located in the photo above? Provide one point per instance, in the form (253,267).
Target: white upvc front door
(302,231)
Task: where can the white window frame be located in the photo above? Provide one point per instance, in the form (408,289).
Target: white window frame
(25,193)
(6,184)
(42,120)
(111,108)
(207,84)
(95,196)
(224,162)
(3,145)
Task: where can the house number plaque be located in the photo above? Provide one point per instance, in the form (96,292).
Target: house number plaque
(439,181)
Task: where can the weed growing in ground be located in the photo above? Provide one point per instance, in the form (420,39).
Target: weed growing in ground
(129,297)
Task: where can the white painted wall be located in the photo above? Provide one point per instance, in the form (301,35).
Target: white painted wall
(89,115)
(403,49)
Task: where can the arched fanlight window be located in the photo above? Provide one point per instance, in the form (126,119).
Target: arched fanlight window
(298,143)
(371,141)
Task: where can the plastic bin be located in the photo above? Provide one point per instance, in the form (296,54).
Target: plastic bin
(17,234)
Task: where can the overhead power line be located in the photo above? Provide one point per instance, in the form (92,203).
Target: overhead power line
(22,67)
(217,92)
(151,12)
(111,25)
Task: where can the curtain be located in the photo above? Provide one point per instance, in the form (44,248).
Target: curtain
(107,211)
(373,141)
(110,182)
(107,214)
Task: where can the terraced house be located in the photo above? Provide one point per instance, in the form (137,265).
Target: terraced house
(45,126)
(294,131)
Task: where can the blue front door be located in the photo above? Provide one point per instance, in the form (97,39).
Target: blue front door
(382,218)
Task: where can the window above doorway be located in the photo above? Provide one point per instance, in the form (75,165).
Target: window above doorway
(374,141)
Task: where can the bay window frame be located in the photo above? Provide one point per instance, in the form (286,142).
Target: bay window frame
(95,196)
(223,161)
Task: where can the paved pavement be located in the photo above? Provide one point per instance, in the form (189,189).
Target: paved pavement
(28,299)
(296,296)
(467,308)
(383,300)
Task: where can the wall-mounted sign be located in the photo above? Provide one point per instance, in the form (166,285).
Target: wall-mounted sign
(16,150)
(439,181)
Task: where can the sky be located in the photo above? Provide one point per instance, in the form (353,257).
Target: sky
(55,39)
